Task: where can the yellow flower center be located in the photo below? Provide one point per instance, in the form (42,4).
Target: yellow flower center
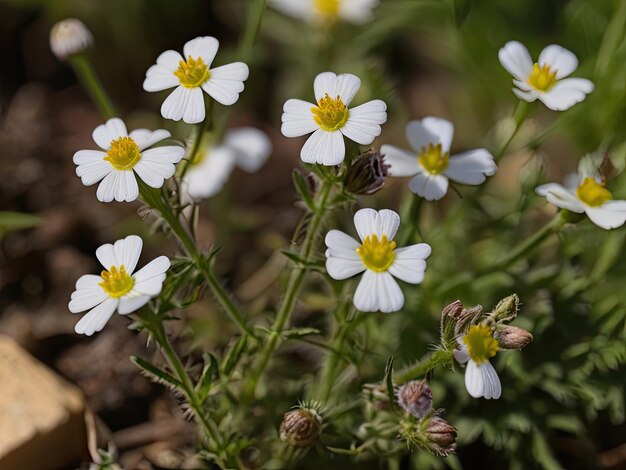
(327,8)
(433,159)
(330,113)
(541,78)
(592,193)
(123,154)
(116,282)
(377,255)
(481,345)
(193,72)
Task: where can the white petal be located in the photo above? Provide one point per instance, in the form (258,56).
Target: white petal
(341,268)
(528,96)
(471,167)
(409,264)
(88,294)
(226,82)
(160,78)
(430,187)
(560,197)
(566,93)
(106,255)
(166,154)
(326,148)
(363,124)
(342,245)
(205,47)
(111,130)
(297,118)
(344,85)
(524,86)
(491,381)
(175,104)
(430,130)
(91,173)
(88,281)
(208,178)
(356,11)
(298,9)
(388,293)
(474,380)
(461,355)
(560,60)
(130,304)
(118,185)
(106,188)
(96,318)
(145,138)
(611,214)
(85,157)
(365,295)
(127,252)
(366,222)
(251,146)
(170,60)
(387,223)
(154,268)
(401,162)
(515,58)
(420,251)
(194,111)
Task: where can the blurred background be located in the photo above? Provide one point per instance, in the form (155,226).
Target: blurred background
(563,397)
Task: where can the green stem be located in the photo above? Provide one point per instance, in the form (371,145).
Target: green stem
(423,367)
(294,285)
(253,25)
(519,115)
(412,217)
(88,78)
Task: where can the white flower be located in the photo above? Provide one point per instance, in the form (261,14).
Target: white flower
(69,37)
(192,74)
(353,11)
(432,166)
(122,156)
(116,287)
(377,255)
(330,119)
(590,197)
(246,147)
(544,80)
(476,348)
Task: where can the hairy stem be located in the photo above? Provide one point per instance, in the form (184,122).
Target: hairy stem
(423,366)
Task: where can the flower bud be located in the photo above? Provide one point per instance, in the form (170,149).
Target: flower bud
(453,310)
(507,309)
(69,37)
(300,427)
(442,436)
(415,397)
(367,174)
(513,337)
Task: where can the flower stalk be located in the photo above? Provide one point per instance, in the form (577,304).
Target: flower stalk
(90,82)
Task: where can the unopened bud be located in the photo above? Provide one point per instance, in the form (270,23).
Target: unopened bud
(301,427)
(442,436)
(69,37)
(415,397)
(453,310)
(513,337)
(507,309)
(367,174)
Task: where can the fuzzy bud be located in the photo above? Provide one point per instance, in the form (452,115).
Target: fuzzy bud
(69,37)
(367,174)
(453,310)
(513,337)
(300,427)
(415,397)
(442,436)
(507,309)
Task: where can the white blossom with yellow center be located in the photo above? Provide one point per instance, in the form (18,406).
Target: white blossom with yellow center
(430,163)
(117,287)
(545,79)
(377,257)
(589,197)
(475,348)
(330,119)
(123,157)
(327,11)
(191,75)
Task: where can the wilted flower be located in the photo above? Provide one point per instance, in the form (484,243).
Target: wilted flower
(475,348)
(591,198)
(367,173)
(246,147)
(543,80)
(353,11)
(122,156)
(378,257)
(513,337)
(116,287)
(69,37)
(433,166)
(191,75)
(415,397)
(301,427)
(330,119)
(442,436)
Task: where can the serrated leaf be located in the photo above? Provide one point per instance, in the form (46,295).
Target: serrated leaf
(157,375)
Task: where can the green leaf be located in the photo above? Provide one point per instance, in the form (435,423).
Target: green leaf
(11,221)
(234,355)
(210,374)
(300,332)
(389,381)
(301,262)
(156,374)
(303,188)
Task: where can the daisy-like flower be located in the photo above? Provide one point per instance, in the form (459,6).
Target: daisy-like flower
(68,37)
(116,287)
(246,147)
(545,79)
(431,165)
(330,119)
(379,260)
(324,11)
(476,347)
(589,197)
(191,75)
(122,156)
